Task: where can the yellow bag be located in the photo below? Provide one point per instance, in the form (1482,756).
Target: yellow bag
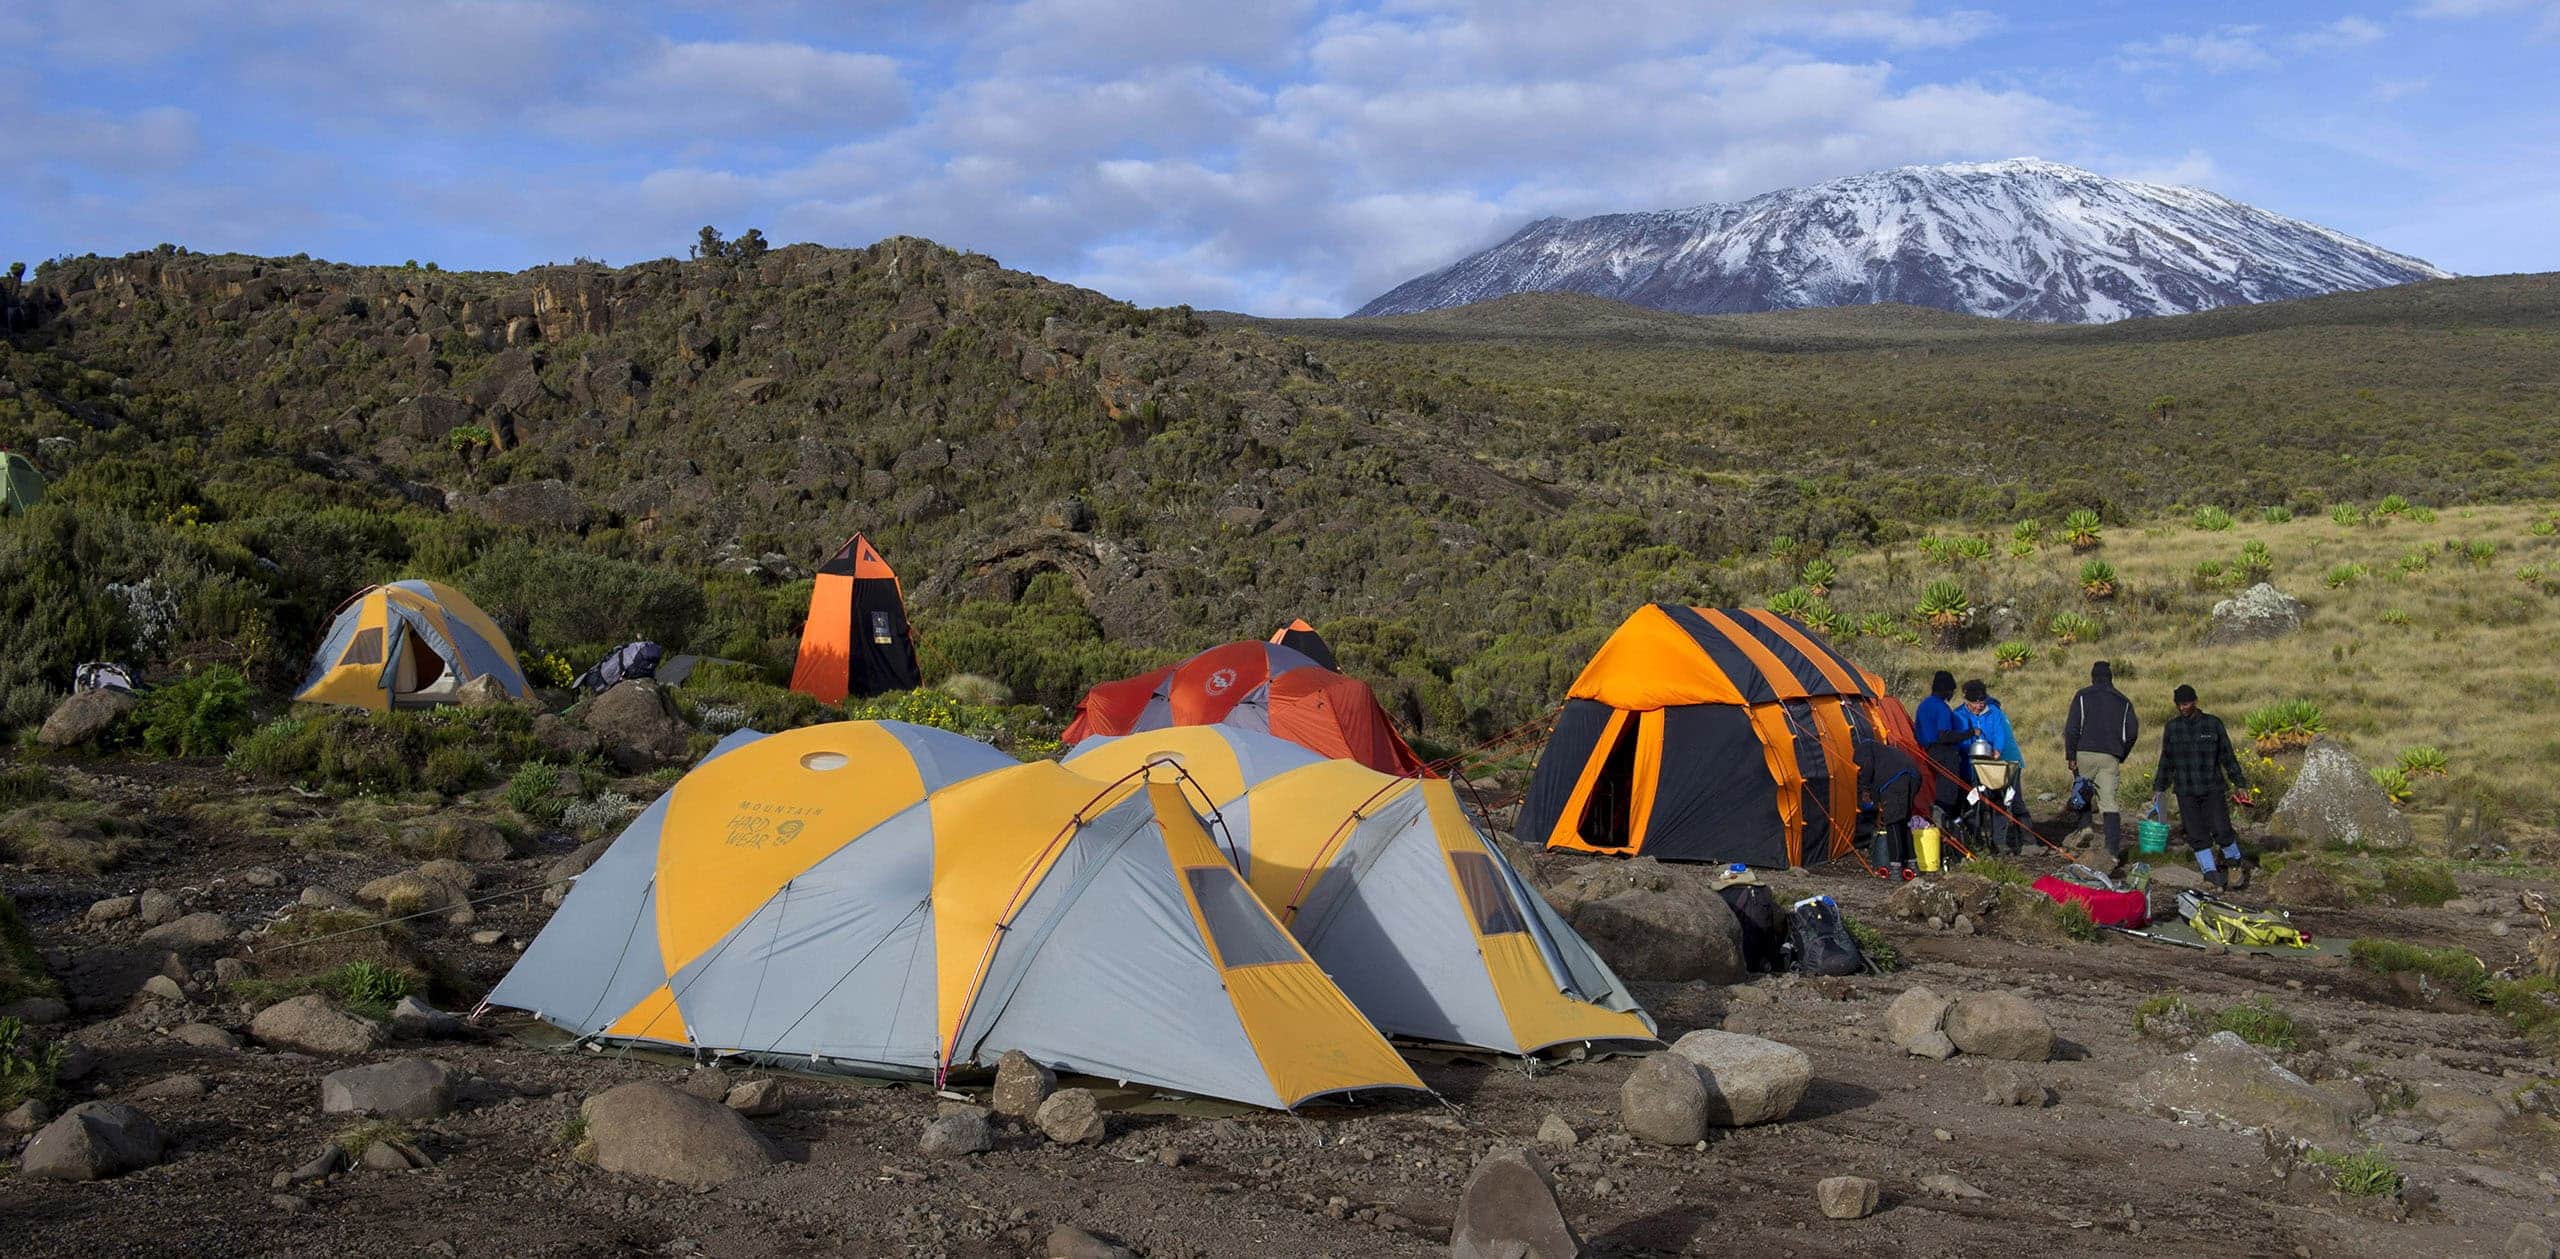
(1924,846)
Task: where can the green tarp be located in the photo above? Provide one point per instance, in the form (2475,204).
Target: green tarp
(21,486)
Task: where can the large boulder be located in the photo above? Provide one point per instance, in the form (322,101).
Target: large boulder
(2334,800)
(84,717)
(408,1088)
(1652,921)
(1664,1100)
(2229,1079)
(1749,1080)
(2254,615)
(648,1129)
(1916,1022)
(2000,1025)
(310,1024)
(92,1141)
(1509,1211)
(637,724)
(191,934)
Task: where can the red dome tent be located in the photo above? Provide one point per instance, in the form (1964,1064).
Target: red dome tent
(1257,686)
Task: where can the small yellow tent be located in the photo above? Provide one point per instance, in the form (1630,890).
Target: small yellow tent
(1390,888)
(410,642)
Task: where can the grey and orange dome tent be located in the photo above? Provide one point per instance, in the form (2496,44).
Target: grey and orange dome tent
(1711,734)
(856,641)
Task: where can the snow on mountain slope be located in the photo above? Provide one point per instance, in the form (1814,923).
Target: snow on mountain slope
(2020,239)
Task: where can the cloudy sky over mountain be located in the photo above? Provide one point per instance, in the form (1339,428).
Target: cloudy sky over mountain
(1288,157)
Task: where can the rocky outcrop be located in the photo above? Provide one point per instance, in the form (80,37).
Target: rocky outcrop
(2254,615)
(2228,1079)
(2334,800)
(638,725)
(85,717)
(1652,921)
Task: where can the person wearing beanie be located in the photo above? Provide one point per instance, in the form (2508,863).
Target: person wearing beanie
(1992,722)
(2198,763)
(1943,731)
(2101,730)
(1889,784)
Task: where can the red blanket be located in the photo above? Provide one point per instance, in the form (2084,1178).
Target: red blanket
(2107,909)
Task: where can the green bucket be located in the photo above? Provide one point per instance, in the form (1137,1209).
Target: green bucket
(2153,836)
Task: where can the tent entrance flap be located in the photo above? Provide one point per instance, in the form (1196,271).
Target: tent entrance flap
(1608,810)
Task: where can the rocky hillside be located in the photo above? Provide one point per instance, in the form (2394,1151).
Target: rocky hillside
(2021,239)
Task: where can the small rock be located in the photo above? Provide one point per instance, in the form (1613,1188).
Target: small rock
(113,909)
(164,988)
(1749,1080)
(230,970)
(289,1203)
(170,1088)
(1950,1187)
(2000,1025)
(309,1023)
(328,1162)
(1664,1100)
(1071,1117)
(93,1141)
(391,1156)
(2528,1241)
(710,1083)
(193,933)
(30,1115)
(648,1129)
(757,1099)
(1169,1157)
(1553,1130)
(486,938)
(957,1135)
(261,876)
(1963,925)
(318,897)
(1847,1197)
(1916,1021)
(1941,1135)
(416,1020)
(2006,1085)
(406,1088)
(1021,1085)
(1509,1210)
(1066,1241)
(204,1036)
(36,1011)
(155,907)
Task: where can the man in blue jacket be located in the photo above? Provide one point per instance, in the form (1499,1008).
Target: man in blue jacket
(1993,724)
(1943,730)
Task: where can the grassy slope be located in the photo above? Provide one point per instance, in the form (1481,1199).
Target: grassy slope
(2471,672)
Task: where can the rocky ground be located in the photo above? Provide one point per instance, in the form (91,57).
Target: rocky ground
(1970,1155)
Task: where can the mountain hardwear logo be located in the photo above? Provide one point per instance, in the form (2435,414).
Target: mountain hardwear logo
(1220,681)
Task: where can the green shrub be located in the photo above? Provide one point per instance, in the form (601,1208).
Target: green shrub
(2211,519)
(1972,550)
(368,988)
(2000,870)
(71,835)
(571,600)
(2257,563)
(2423,515)
(1026,732)
(2209,573)
(350,751)
(2532,1006)
(1878,948)
(2021,550)
(2074,627)
(2346,515)
(2341,576)
(1818,575)
(2012,655)
(2395,617)
(2481,553)
(2030,532)
(2164,1013)
(2418,881)
(26,1072)
(2416,560)
(2543,528)
(2454,970)
(2365,1175)
(2424,759)
(2284,724)
(2392,505)
(2075,920)
(1793,601)
(2277,515)
(2098,580)
(2080,529)
(200,714)
(540,791)
(2393,783)
(27,784)
(2260,1023)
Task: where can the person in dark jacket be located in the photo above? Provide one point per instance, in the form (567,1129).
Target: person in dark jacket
(1888,782)
(1943,731)
(2198,763)
(2102,730)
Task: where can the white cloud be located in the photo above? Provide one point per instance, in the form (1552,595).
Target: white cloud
(737,93)
(2346,32)
(2389,90)
(2546,12)
(2218,51)
(2193,169)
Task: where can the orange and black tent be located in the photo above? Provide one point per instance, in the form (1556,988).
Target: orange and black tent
(1258,686)
(856,641)
(1302,638)
(1708,734)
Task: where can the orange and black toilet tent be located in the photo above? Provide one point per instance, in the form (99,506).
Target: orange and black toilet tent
(1302,638)
(856,641)
(1711,734)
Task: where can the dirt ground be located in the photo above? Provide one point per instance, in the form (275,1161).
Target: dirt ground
(2086,1175)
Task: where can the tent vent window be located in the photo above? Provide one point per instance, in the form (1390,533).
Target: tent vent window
(1238,925)
(1495,914)
(366,649)
(1607,819)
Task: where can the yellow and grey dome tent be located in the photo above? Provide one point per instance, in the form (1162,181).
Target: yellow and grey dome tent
(887,899)
(21,486)
(410,642)
(1390,888)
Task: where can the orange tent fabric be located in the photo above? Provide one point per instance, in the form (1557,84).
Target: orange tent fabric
(1257,686)
(856,641)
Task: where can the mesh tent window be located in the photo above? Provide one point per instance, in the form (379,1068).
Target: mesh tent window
(1243,933)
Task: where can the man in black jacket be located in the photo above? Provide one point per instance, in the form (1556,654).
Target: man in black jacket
(2102,730)
(2198,762)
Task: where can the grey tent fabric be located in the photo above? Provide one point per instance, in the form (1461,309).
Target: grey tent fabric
(1388,902)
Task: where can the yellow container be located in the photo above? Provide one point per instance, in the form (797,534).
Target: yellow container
(1924,845)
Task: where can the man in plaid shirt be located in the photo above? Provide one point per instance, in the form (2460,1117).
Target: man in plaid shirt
(2198,763)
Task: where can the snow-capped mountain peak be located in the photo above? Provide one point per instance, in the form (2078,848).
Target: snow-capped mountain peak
(2017,239)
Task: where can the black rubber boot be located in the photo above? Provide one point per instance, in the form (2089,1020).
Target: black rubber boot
(2113,825)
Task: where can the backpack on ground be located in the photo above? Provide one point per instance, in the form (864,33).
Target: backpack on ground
(1819,940)
(101,675)
(628,661)
(1764,940)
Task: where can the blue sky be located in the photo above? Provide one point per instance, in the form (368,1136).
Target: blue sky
(1291,157)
